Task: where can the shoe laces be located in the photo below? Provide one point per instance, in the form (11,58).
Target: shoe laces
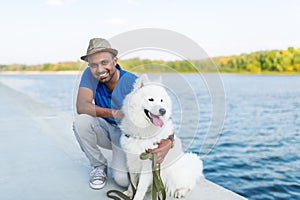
(98,172)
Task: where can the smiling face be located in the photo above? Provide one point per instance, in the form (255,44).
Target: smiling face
(148,106)
(147,109)
(103,66)
(156,104)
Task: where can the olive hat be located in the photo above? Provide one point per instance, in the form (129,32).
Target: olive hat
(98,45)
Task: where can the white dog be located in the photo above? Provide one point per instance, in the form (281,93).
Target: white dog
(147,120)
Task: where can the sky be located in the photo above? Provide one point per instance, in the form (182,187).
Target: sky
(43,31)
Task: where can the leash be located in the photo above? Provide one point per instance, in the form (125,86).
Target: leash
(158,188)
(121,194)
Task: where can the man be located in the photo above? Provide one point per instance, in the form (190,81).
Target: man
(103,86)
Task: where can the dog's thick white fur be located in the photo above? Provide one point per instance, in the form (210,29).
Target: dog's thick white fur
(147,120)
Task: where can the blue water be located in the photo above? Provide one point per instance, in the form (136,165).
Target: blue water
(257,153)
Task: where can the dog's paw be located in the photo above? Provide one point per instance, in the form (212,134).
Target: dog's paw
(180,193)
(128,193)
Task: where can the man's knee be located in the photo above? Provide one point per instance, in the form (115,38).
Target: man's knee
(121,178)
(83,120)
(83,124)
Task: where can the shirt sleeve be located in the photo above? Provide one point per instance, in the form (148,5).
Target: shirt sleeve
(88,81)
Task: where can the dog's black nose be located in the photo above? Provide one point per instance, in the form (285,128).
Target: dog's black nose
(162,111)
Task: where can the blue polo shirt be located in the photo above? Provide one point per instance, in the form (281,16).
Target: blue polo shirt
(102,97)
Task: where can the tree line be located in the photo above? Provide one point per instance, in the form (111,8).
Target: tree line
(279,61)
(262,61)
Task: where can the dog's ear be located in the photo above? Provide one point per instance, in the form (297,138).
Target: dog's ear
(141,81)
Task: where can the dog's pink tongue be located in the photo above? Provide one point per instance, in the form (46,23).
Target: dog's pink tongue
(157,121)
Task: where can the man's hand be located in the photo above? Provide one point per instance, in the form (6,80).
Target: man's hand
(163,148)
(118,114)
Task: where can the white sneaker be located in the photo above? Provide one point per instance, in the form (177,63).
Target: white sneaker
(98,178)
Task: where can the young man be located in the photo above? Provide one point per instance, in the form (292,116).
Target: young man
(103,87)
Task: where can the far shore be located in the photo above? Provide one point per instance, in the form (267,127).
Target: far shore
(40,72)
(80,71)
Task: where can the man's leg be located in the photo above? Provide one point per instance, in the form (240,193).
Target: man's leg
(119,163)
(89,135)
(92,132)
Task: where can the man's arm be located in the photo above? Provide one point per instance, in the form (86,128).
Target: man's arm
(163,148)
(85,104)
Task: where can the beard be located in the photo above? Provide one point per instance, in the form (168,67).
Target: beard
(105,77)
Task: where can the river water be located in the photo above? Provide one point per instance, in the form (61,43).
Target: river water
(256,151)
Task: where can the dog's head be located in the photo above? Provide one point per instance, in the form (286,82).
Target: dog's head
(148,105)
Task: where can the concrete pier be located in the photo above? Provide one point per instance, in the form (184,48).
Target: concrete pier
(41,160)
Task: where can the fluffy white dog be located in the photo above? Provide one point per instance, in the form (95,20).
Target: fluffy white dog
(147,121)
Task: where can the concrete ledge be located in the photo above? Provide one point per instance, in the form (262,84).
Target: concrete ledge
(40,158)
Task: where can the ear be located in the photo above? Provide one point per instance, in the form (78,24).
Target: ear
(141,81)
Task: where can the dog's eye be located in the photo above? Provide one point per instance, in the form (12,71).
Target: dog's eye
(151,99)
(161,100)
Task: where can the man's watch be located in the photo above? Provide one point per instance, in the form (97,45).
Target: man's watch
(172,139)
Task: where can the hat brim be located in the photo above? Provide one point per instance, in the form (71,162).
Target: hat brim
(113,51)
